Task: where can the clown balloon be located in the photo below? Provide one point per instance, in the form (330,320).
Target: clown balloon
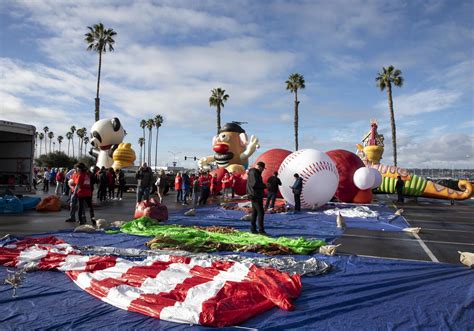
(232,149)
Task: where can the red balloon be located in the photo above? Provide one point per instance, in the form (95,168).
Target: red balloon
(346,163)
(363,196)
(272,159)
(220,172)
(240,185)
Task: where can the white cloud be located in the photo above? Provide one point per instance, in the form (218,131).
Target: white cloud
(342,64)
(427,101)
(452,150)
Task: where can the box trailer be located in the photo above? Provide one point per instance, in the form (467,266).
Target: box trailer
(17,148)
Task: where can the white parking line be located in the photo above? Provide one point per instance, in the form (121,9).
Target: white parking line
(421,242)
(406,239)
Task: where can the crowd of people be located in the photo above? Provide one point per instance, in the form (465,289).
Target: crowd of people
(190,188)
(78,184)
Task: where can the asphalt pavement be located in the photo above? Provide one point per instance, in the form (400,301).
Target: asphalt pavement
(445,228)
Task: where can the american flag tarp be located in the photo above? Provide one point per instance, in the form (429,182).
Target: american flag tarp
(172,288)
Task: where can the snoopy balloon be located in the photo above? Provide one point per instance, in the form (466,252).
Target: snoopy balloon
(107,134)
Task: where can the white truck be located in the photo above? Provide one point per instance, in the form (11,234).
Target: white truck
(17,148)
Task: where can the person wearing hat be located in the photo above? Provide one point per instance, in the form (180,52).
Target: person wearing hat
(255,192)
(297,189)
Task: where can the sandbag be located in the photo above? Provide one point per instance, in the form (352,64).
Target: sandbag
(86,228)
(152,209)
(102,224)
(51,203)
(467,258)
(10,204)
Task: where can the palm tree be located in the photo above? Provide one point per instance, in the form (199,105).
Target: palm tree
(143,126)
(217,99)
(84,135)
(385,79)
(141,141)
(41,137)
(46,130)
(149,124)
(158,122)
(80,134)
(69,137)
(86,141)
(36,143)
(98,39)
(50,136)
(73,129)
(60,140)
(295,81)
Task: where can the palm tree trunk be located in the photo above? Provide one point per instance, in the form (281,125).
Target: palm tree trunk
(41,146)
(218,118)
(296,120)
(141,152)
(97,100)
(50,145)
(156,146)
(72,143)
(144,146)
(68,144)
(392,123)
(149,147)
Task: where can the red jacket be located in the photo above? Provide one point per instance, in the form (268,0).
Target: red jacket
(60,177)
(204,181)
(226,182)
(178,182)
(83,185)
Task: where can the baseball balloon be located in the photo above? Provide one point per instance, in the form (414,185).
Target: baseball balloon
(364,178)
(272,159)
(347,163)
(377,178)
(319,174)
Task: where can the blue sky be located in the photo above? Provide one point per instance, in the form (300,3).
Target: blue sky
(170,54)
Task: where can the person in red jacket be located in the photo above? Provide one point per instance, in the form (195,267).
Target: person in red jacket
(83,190)
(232,183)
(178,187)
(227,186)
(60,177)
(192,177)
(204,183)
(215,185)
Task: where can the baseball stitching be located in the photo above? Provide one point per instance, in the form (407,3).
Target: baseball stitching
(290,158)
(312,169)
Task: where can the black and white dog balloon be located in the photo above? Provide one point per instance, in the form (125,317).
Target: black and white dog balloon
(106,134)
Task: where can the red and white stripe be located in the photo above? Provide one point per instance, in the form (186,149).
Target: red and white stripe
(173,288)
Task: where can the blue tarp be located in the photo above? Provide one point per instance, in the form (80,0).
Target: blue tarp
(30,202)
(308,224)
(10,205)
(358,294)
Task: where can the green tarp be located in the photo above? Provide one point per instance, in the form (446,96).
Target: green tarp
(213,238)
